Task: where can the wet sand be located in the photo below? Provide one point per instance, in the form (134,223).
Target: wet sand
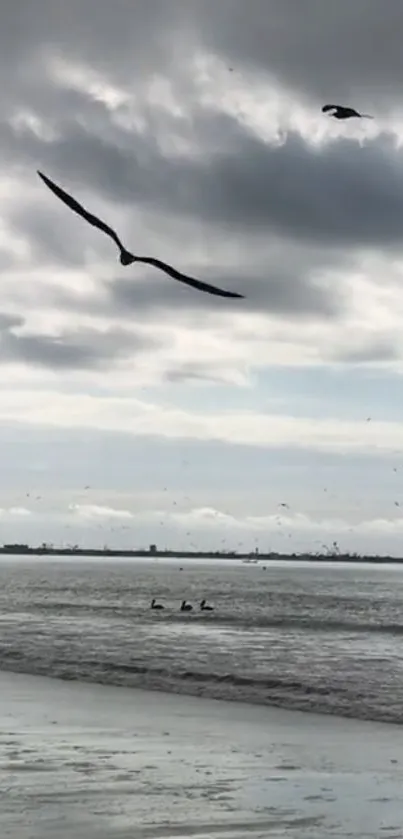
(79,761)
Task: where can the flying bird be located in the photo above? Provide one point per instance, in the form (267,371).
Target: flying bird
(341,112)
(126,258)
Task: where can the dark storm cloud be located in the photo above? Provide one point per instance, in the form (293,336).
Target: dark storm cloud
(75,350)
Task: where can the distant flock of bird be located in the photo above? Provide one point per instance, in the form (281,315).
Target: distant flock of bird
(127,258)
(184,607)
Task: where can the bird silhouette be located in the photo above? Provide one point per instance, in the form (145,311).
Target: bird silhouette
(205,608)
(155,605)
(341,112)
(127,258)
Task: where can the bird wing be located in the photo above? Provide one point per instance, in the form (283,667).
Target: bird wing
(96,222)
(183,278)
(351,112)
(80,210)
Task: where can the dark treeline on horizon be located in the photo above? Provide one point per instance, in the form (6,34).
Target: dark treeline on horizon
(254,557)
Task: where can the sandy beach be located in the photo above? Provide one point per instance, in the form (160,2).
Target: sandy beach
(85,761)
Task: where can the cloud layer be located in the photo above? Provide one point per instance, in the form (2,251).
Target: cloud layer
(195,129)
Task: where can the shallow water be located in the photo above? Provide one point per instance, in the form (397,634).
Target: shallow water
(322,638)
(83,761)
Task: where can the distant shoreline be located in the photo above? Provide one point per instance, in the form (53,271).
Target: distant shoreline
(247,558)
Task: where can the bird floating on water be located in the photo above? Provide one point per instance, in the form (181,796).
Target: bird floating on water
(186,607)
(205,608)
(127,258)
(155,605)
(341,112)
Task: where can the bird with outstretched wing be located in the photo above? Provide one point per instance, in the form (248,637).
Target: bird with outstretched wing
(127,258)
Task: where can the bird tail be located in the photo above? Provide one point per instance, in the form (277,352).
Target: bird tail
(367,116)
(126,257)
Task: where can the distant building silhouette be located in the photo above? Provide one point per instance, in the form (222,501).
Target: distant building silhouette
(16,548)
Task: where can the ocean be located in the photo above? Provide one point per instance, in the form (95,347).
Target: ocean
(314,637)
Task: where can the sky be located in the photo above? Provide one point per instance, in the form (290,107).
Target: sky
(135,410)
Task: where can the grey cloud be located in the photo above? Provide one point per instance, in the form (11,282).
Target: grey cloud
(243,188)
(280,289)
(7,260)
(189,372)
(287,282)
(323,50)
(9,321)
(116,37)
(326,51)
(80,349)
(50,241)
(377,350)
(341,193)
(243,191)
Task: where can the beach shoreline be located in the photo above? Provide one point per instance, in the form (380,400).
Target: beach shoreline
(83,760)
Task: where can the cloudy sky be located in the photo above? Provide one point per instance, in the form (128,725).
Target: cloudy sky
(135,410)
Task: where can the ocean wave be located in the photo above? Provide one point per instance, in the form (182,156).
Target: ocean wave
(275,690)
(307,639)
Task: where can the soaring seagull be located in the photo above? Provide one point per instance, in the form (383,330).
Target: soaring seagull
(127,258)
(340,112)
